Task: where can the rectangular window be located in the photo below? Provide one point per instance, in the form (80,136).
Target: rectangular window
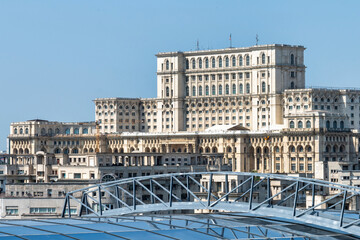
(309,167)
(77,175)
(12,211)
(277,166)
(42,210)
(293,167)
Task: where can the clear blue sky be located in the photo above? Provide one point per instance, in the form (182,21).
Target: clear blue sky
(57,56)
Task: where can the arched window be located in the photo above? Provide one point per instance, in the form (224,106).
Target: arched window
(300,149)
(66,151)
(200,90)
(248,88)
(308,124)
(234,88)
(187,90)
(76,131)
(227,64)
(50,131)
(335,124)
(220,62)
(206,63)
(328,124)
(187,64)
(233,60)
(292,149)
(167,65)
(207,90)
(227,89)
(200,63)
(247,60)
(26,131)
(57,150)
(241,90)
(167,91)
(43,131)
(193,63)
(292,85)
(263,87)
(292,59)
(21,131)
(57,131)
(240,61)
(67,131)
(263,58)
(292,124)
(277,149)
(213,90)
(213,63)
(193,90)
(15,130)
(220,89)
(85,131)
(342,124)
(75,150)
(300,124)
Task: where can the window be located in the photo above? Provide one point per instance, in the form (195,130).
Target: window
(292,125)
(309,167)
(227,89)
(220,62)
(213,90)
(292,85)
(200,90)
(240,61)
(227,63)
(293,167)
(77,175)
(248,88)
(234,88)
(328,124)
(167,91)
(300,124)
(241,90)
(187,64)
(342,124)
(263,87)
(187,90)
(206,63)
(167,65)
(12,211)
(247,60)
(292,59)
(67,131)
(233,61)
(213,62)
(193,90)
(335,124)
(308,124)
(193,63)
(42,210)
(220,89)
(76,131)
(207,90)
(200,63)
(263,58)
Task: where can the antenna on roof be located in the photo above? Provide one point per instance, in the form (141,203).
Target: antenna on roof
(257,39)
(197,45)
(230,41)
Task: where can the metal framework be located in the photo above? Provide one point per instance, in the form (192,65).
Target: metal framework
(297,199)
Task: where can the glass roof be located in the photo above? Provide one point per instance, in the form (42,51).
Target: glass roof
(158,227)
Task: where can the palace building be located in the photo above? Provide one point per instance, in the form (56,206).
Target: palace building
(239,109)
